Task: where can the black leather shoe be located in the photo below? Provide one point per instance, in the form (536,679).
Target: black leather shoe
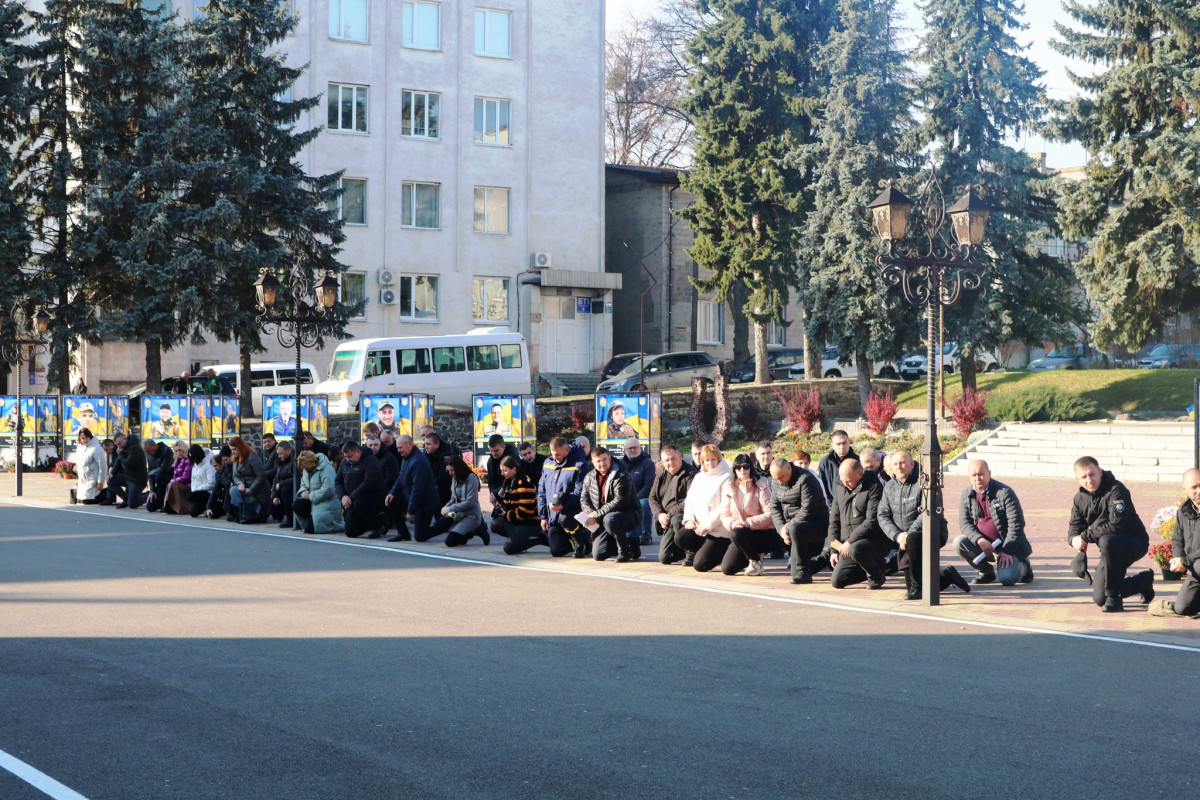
(953,577)
(395,537)
(873,583)
(988,576)
(579,553)
(689,559)
(623,558)
(487,538)
(803,577)
(376,534)
(647,539)
(914,592)
(122,505)
(1146,577)
(1112,605)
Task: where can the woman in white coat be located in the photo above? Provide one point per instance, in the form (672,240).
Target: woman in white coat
(91,466)
(704,535)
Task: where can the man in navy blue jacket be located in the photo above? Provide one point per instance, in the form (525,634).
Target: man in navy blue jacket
(558,499)
(640,467)
(418,489)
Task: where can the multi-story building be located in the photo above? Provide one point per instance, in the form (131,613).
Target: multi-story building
(471,136)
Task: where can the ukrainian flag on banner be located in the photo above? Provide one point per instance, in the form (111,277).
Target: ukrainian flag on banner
(1192,411)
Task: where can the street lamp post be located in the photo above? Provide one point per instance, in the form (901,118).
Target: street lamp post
(307,315)
(932,273)
(17,348)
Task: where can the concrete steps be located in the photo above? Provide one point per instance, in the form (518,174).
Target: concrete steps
(1134,451)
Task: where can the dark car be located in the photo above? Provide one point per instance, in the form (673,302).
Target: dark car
(779,360)
(1171,356)
(618,363)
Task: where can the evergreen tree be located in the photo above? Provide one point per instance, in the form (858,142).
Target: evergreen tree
(1138,203)
(861,130)
(48,186)
(247,203)
(979,91)
(14,232)
(131,163)
(752,95)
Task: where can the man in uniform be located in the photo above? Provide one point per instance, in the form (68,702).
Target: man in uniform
(165,427)
(495,427)
(1103,515)
(1185,554)
(558,499)
(993,529)
(283,423)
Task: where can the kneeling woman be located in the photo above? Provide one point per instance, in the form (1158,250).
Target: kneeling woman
(461,518)
(746,512)
(316,507)
(704,536)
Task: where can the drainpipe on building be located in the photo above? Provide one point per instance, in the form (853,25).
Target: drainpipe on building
(670,262)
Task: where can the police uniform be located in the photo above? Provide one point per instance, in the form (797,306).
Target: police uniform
(1107,519)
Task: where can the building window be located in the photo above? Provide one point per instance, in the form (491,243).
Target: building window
(491,209)
(419,114)
(348,20)
(347,108)
(419,297)
(422,205)
(354,290)
(422,25)
(492,121)
(351,204)
(776,334)
(493,33)
(710,322)
(489,300)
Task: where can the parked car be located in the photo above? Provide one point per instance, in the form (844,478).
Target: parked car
(832,368)
(780,360)
(663,371)
(912,367)
(197,384)
(1171,356)
(1072,356)
(618,363)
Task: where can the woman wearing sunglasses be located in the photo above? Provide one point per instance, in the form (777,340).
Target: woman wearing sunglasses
(746,513)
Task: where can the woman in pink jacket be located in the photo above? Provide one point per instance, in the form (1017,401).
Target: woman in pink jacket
(746,514)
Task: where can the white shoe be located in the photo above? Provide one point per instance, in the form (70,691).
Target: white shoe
(755,568)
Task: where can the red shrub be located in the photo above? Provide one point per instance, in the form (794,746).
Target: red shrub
(968,410)
(582,415)
(801,408)
(880,410)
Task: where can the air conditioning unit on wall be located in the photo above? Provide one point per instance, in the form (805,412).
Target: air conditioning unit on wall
(388,297)
(385,277)
(542,261)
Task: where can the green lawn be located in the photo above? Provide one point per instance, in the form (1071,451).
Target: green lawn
(1113,390)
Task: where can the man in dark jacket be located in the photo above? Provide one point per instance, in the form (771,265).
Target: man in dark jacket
(497,450)
(640,466)
(438,453)
(160,460)
(667,495)
(827,468)
(902,522)
(801,517)
(857,546)
(282,489)
(1103,515)
(270,456)
(558,499)
(314,444)
(1185,554)
(416,487)
(359,485)
(873,461)
(389,467)
(531,461)
(610,501)
(127,486)
(992,529)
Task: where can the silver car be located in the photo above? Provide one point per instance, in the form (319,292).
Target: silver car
(664,371)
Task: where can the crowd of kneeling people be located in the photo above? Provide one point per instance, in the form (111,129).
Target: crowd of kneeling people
(859,515)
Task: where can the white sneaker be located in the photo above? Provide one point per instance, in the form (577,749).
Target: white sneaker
(755,568)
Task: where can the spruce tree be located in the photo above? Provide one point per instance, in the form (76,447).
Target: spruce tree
(752,95)
(14,231)
(1138,203)
(861,141)
(978,92)
(131,164)
(247,204)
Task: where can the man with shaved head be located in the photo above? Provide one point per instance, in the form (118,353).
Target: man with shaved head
(1185,554)
(857,545)
(993,529)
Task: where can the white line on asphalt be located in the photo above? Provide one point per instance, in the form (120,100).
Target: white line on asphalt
(37,779)
(644,581)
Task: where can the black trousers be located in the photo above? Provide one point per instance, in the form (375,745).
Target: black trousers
(1117,553)
(808,540)
(710,550)
(199,501)
(748,545)
(302,510)
(284,509)
(669,549)
(363,516)
(563,543)
(864,562)
(612,537)
(422,525)
(522,537)
(1187,601)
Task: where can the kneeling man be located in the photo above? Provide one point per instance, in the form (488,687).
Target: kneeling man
(1185,554)
(857,546)
(993,529)
(609,500)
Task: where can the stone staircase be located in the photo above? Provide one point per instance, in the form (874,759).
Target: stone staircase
(566,384)
(1135,451)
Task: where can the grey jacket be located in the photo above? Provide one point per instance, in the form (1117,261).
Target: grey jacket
(464,501)
(900,507)
(1006,511)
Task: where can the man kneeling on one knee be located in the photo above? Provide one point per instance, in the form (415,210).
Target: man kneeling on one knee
(993,529)
(609,500)
(857,545)
(1185,554)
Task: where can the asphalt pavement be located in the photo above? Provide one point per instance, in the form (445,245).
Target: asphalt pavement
(140,659)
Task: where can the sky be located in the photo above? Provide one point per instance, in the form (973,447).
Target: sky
(1040,16)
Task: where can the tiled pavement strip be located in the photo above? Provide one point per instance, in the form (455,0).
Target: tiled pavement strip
(1055,601)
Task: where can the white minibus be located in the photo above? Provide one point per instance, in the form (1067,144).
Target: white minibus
(268,377)
(451,368)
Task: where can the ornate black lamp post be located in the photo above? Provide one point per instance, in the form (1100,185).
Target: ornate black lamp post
(307,314)
(932,272)
(18,346)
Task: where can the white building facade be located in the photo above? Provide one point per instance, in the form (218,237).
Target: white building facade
(471,137)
